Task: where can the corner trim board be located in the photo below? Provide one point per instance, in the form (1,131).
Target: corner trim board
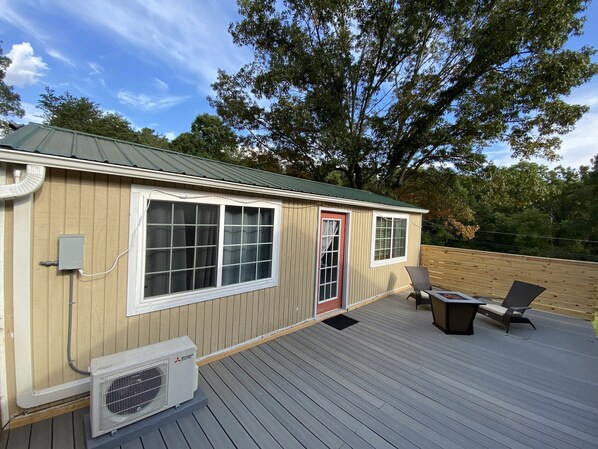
(27,396)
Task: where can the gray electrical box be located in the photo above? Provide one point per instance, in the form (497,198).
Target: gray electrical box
(70,252)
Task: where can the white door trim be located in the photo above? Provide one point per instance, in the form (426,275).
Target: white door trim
(348,216)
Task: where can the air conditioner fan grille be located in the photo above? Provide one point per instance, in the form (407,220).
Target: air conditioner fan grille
(132,393)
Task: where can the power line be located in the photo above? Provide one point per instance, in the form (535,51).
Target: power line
(503,245)
(538,236)
(518,235)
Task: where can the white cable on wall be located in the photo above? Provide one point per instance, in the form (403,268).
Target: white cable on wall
(181,197)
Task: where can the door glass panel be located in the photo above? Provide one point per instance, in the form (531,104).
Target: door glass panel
(329,256)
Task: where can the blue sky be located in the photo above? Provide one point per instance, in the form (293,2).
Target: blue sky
(153,61)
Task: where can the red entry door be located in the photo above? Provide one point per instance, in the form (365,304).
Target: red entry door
(331,262)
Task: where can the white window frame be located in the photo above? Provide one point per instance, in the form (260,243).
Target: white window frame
(140,195)
(380,263)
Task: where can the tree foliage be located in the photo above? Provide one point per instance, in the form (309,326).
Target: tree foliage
(10,101)
(82,114)
(209,138)
(445,194)
(379,88)
(525,208)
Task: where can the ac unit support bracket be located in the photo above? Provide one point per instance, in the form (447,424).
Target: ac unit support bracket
(145,426)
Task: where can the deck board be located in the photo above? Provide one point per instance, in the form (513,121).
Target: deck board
(153,440)
(62,431)
(412,395)
(193,434)
(212,429)
(41,433)
(392,380)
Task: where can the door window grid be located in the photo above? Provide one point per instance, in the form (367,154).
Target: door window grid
(329,259)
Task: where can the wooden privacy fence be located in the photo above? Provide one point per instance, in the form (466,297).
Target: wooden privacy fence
(571,285)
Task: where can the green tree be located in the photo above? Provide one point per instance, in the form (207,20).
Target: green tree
(209,138)
(82,114)
(515,187)
(151,138)
(445,193)
(525,208)
(378,88)
(10,101)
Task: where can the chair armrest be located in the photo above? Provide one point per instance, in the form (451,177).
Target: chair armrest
(518,309)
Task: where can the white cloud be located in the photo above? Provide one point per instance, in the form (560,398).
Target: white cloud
(61,57)
(149,103)
(96,68)
(170,135)
(25,68)
(14,15)
(580,145)
(32,113)
(189,35)
(160,84)
(577,148)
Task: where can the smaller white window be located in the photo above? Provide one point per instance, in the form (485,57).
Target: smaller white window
(389,238)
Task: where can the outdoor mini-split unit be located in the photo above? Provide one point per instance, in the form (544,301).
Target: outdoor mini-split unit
(129,386)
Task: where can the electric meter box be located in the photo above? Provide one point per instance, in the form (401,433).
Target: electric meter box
(70,252)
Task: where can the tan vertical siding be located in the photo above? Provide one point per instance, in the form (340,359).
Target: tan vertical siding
(366,282)
(98,207)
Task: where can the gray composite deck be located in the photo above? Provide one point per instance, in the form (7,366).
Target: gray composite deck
(391,381)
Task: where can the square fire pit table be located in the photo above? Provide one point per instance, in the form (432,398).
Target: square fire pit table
(453,312)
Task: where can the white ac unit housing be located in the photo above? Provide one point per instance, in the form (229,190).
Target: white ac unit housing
(131,385)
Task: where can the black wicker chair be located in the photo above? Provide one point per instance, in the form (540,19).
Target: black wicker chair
(517,301)
(420,281)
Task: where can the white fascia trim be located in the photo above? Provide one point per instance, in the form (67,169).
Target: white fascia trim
(140,194)
(27,396)
(381,263)
(20,157)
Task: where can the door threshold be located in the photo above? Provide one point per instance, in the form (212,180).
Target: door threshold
(330,314)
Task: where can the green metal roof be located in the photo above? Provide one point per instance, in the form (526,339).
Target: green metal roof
(65,143)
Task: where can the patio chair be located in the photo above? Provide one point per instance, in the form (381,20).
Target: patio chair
(420,281)
(517,301)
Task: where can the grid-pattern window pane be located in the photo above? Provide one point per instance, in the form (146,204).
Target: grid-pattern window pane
(248,239)
(390,241)
(399,229)
(181,247)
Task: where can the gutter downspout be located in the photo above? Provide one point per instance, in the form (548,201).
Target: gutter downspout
(22,193)
(4,412)
(29,184)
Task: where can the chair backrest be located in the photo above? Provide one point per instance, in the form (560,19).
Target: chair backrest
(420,278)
(522,294)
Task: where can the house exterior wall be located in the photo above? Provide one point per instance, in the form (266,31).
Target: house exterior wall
(97,206)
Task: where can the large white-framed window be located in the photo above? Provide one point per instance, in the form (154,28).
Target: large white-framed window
(389,238)
(190,246)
